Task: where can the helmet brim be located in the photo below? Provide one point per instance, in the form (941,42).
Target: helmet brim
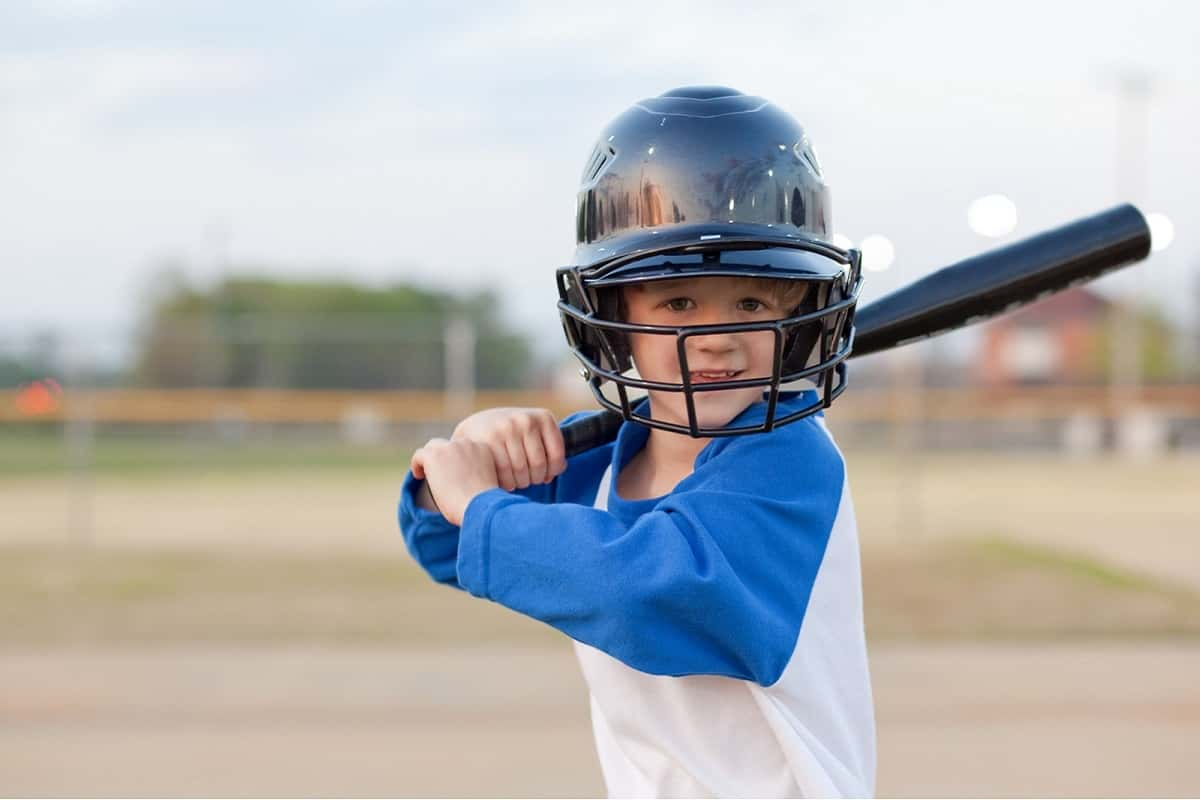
(778,263)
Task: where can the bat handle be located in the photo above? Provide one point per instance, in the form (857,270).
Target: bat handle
(591,431)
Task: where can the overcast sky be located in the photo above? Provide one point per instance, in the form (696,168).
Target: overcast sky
(443,142)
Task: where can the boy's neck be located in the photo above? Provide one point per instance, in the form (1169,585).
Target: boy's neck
(673,453)
(665,460)
(669,449)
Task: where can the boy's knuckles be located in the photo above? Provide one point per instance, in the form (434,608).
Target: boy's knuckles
(432,449)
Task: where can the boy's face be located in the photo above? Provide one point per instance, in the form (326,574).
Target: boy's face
(722,357)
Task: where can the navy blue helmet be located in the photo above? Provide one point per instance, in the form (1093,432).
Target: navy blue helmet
(707,181)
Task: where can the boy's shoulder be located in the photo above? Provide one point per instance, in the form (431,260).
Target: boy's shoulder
(800,455)
(804,438)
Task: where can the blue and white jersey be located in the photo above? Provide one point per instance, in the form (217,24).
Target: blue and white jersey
(719,627)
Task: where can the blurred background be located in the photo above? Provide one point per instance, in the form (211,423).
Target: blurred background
(254,254)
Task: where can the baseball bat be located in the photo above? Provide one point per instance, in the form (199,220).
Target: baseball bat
(972,290)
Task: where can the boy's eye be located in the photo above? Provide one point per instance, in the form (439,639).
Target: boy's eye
(751,304)
(679,304)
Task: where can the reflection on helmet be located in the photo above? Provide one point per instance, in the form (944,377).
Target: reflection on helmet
(705,181)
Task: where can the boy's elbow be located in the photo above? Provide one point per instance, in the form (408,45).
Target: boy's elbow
(431,542)
(700,628)
(768,670)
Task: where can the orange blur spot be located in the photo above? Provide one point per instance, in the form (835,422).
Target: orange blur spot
(38,398)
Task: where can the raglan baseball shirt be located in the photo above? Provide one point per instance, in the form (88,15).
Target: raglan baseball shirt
(719,627)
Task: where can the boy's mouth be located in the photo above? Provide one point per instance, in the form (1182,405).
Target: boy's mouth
(709,376)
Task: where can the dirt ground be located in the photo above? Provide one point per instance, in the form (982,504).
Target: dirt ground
(1140,515)
(127,668)
(954,720)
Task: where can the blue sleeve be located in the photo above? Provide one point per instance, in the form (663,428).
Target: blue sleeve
(715,580)
(432,541)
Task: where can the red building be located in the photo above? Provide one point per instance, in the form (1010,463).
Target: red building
(1059,339)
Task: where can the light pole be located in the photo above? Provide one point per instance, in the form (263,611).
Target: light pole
(1139,432)
(1134,89)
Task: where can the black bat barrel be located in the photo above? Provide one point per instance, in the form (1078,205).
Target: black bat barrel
(1003,278)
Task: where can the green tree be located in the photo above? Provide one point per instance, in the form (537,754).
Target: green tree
(254,331)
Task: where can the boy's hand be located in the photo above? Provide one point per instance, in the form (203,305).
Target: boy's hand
(454,472)
(526,444)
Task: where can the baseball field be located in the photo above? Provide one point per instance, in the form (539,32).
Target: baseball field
(192,619)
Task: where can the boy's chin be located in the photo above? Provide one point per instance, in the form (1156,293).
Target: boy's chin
(712,411)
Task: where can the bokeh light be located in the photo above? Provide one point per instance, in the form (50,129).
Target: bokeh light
(993,215)
(878,253)
(1162,231)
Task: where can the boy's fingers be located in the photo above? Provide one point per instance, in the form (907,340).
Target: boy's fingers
(535,455)
(516,457)
(504,470)
(417,465)
(556,449)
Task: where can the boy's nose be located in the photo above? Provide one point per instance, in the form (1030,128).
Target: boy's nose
(714,342)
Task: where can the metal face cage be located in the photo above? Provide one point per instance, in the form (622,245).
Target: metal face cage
(597,342)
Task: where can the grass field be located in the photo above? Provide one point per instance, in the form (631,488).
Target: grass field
(45,451)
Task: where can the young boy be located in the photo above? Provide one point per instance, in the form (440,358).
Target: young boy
(706,562)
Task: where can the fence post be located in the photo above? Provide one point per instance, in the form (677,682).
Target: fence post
(79,431)
(460,368)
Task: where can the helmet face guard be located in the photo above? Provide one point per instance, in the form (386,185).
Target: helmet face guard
(810,345)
